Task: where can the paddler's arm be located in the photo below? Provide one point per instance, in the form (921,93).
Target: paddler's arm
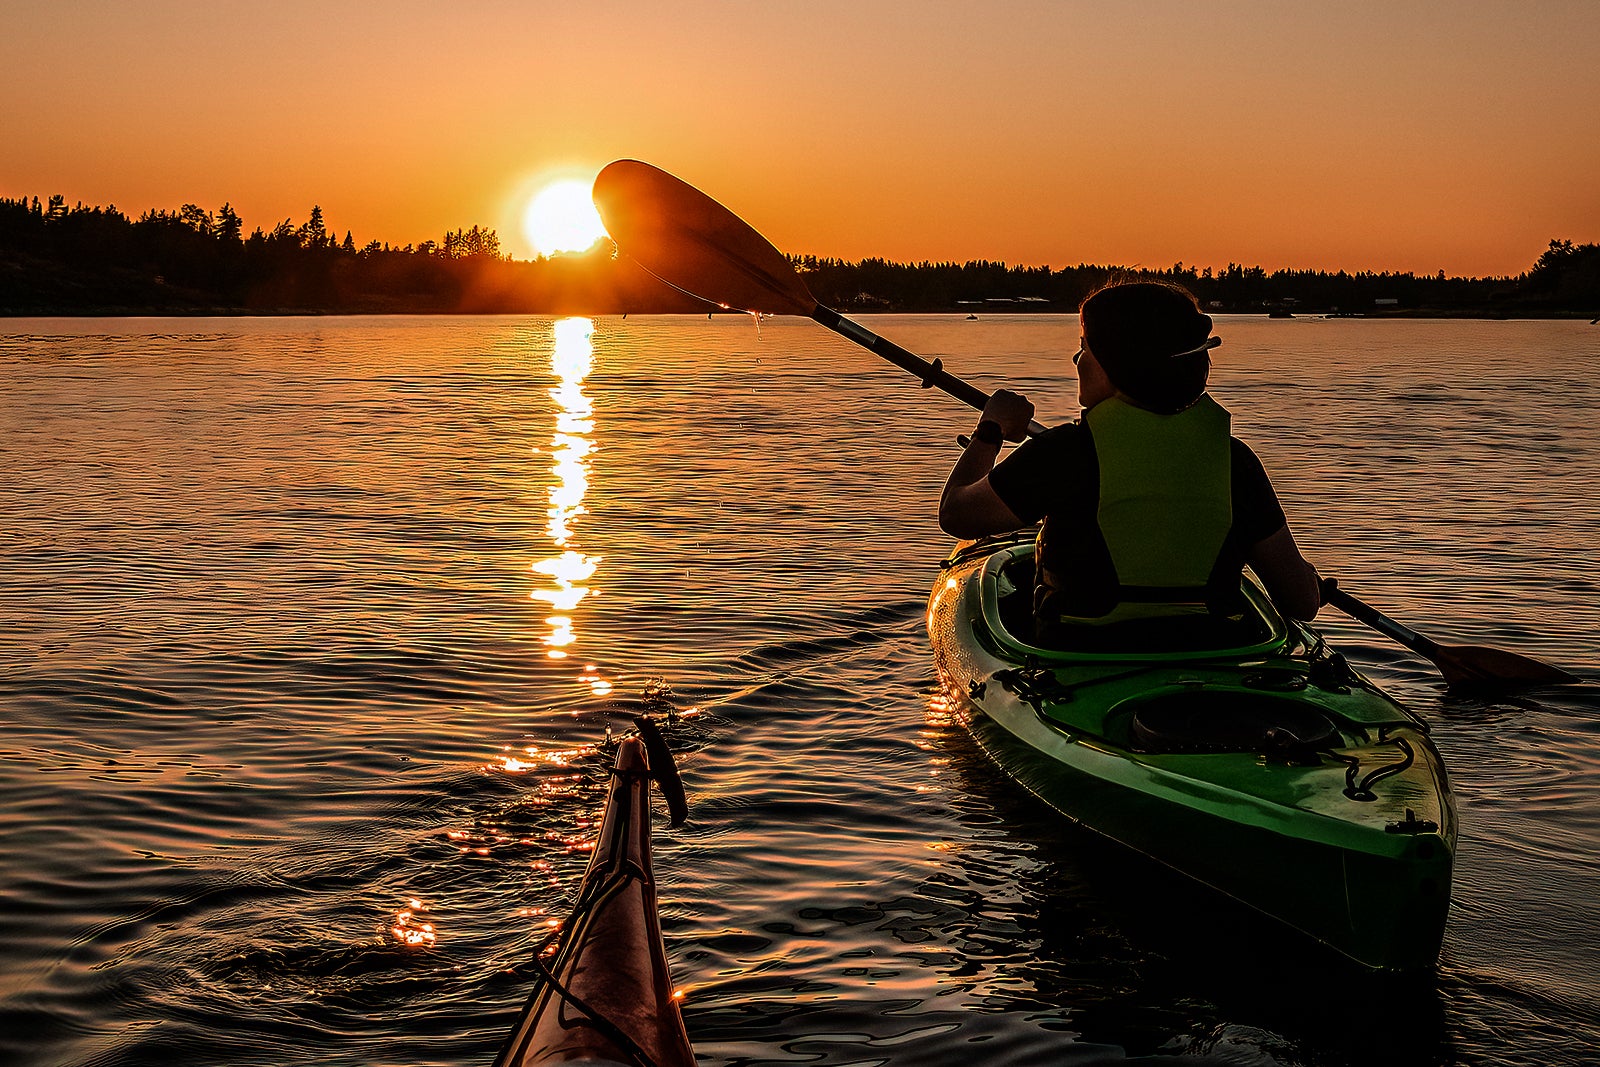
(1291,580)
(969,506)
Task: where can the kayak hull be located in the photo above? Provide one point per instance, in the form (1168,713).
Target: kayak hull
(607,996)
(1347,837)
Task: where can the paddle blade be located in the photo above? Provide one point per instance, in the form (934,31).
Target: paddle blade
(693,243)
(1474,665)
(663,768)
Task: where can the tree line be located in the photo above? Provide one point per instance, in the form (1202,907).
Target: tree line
(56,259)
(93,260)
(1565,280)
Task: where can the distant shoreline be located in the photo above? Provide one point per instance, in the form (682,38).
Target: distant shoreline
(96,262)
(959,313)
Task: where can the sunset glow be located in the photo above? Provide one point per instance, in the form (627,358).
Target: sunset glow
(1356,136)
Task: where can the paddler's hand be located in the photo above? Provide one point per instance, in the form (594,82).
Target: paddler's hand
(1012,411)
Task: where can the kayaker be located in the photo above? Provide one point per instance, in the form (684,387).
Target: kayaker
(1149,506)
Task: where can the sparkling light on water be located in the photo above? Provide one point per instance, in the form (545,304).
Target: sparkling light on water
(412,930)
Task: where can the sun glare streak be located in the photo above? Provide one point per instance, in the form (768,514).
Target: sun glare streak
(571,448)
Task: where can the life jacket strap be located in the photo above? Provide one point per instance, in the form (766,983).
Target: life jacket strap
(1164,594)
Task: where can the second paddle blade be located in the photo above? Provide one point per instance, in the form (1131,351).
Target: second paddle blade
(693,243)
(1474,665)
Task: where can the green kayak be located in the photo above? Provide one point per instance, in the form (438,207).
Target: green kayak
(1255,762)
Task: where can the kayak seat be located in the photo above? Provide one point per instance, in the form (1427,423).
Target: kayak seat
(1231,722)
(1016,598)
(1174,633)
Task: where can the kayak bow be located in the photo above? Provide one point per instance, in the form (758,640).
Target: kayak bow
(607,999)
(1266,769)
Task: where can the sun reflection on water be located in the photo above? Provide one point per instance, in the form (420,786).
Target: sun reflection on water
(570,447)
(597,685)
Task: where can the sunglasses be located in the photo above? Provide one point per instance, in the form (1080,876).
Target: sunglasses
(1204,346)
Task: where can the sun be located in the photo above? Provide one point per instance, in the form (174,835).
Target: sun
(561,218)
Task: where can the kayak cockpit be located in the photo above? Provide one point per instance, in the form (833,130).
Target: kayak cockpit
(1260,684)
(1007,592)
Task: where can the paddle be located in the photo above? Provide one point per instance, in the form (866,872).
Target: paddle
(1460,664)
(697,246)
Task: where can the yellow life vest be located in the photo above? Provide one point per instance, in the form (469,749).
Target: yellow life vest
(1165,503)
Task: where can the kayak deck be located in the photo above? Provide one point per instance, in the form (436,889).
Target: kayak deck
(1269,771)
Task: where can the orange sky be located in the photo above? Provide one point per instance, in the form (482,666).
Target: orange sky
(1405,136)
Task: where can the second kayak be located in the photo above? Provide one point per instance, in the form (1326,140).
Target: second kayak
(1261,765)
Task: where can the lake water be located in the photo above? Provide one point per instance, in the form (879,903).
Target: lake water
(312,632)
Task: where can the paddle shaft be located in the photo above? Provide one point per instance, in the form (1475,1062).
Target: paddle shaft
(932,375)
(1460,664)
(1374,618)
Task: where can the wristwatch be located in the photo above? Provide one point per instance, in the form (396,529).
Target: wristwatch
(988,431)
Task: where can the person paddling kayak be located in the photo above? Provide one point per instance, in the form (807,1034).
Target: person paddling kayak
(1150,507)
